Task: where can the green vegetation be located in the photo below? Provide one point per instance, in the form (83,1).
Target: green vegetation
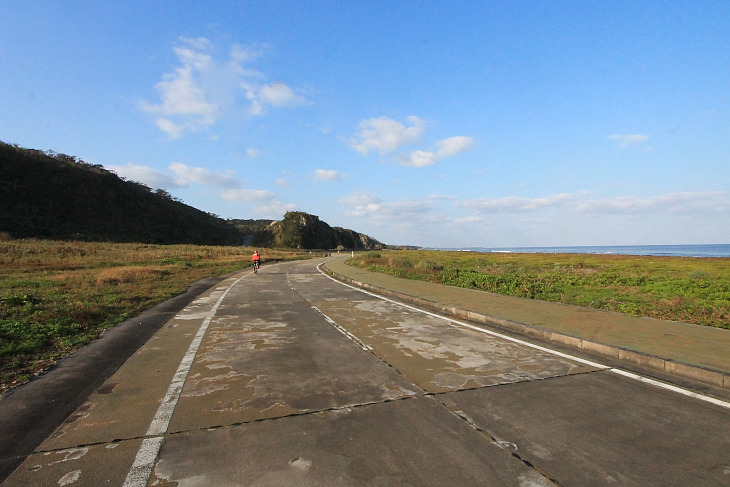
(56,296)
(692,290)
(299,230)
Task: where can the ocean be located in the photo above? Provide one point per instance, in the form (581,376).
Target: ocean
(712,250)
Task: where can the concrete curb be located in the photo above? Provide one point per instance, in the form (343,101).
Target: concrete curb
(687,371)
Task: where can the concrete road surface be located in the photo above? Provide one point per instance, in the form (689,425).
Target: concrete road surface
(288,377)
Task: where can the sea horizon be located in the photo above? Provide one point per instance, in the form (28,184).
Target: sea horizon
(693,250)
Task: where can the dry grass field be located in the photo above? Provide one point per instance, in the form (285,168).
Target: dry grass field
(56,296)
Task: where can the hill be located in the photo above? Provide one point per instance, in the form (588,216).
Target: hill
(55,196)
(301,230)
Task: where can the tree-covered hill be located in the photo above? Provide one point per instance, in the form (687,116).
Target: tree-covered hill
(55,196)
(301,230)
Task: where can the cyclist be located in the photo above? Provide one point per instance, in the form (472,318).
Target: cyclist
(256,258)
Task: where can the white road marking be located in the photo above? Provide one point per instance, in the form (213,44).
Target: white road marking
(673,388)
(141,470)
(349,335)
(614,370)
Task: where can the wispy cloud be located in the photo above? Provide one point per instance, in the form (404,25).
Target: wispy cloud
(467,220)
(671,203)
(184,175)
(247,195)
(515,204)
(274,210)
(386,135)
(325,175)
(578,216)
(627,140)
(371,205)
(144,174)
(179,176)
(442,197)
(196,94)
(253,153)
(446,148)
(227,186)
(361,203)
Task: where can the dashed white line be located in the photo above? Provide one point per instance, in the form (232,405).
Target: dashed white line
(624,373)
(349,335)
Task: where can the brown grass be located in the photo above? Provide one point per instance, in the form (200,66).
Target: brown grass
(56,296)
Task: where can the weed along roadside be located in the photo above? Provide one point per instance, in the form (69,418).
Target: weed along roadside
(690,290)
(56,296)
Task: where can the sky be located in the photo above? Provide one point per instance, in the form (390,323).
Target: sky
(431,123)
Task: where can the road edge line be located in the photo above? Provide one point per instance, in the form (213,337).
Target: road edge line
(624,373)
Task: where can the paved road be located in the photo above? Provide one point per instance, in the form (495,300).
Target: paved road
(290,378)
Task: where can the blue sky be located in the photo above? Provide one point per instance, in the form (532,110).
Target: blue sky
(433,123)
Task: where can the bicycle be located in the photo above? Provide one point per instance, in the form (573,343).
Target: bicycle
(255,266)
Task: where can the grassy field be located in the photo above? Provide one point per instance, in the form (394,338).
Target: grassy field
(692,290)
(56,296)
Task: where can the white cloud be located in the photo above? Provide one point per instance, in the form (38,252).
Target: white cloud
(626,140)
(708,202)
(674,203)
(418,158)
(253,153)
(247,195)
(442,197)
(193,52)
(280,95)
(446,148)
(145,174)
(195,95)
(515,204)
(184,175)
(370,205)
(276,95)
(385,134)
(275,210)
(454,145)
(362,203)
(240,55)
(179,176)
(322,175)
(172,129)
(469,220)
(408,207)
(181,93)
(578,218)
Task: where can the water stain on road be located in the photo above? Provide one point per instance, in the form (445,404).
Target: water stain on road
(435,354)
